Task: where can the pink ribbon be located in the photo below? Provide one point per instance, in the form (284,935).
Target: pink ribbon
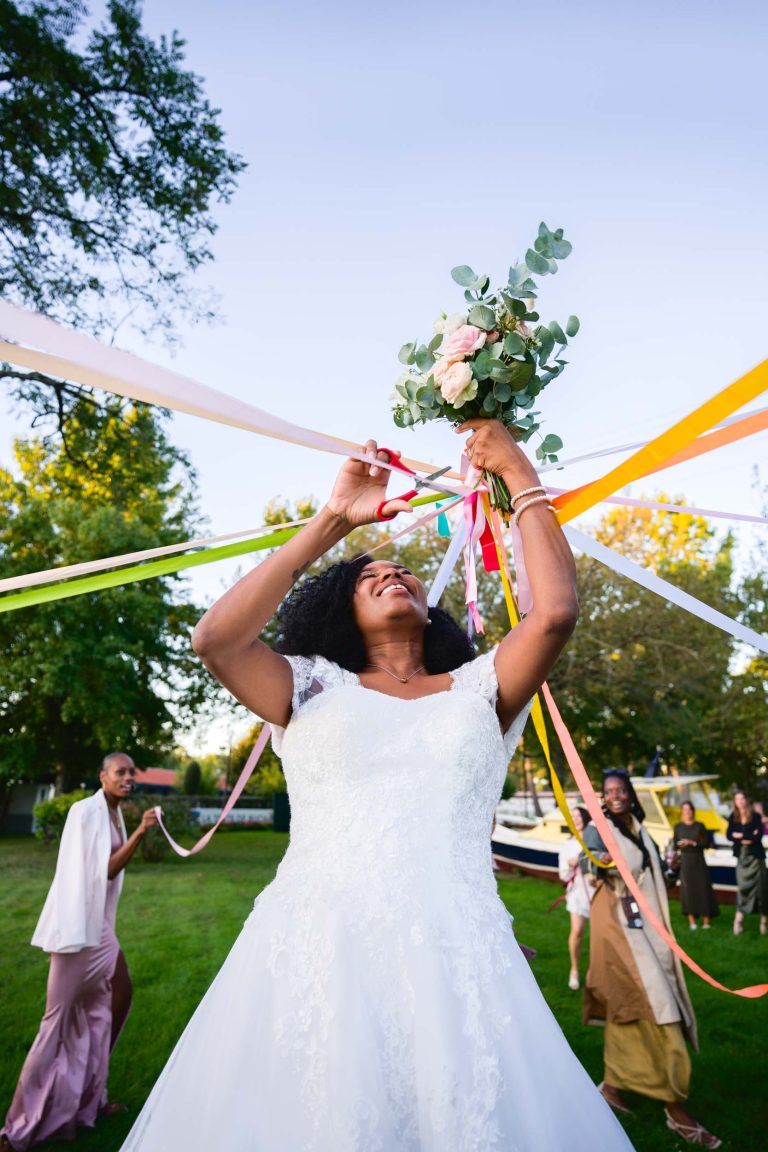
(234,796)
(606,832)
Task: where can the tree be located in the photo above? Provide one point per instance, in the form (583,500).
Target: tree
(267,776)
(114,669)
(192,778)
(111,159)
(640,672)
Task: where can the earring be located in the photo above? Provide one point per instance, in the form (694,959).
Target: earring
(428,621)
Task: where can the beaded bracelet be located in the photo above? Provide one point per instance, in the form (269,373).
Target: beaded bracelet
(526,492)
(530,503)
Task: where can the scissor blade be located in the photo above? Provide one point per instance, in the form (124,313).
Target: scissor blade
(429,481)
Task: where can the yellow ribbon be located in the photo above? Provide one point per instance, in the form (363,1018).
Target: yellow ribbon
(658,452)
(537,712)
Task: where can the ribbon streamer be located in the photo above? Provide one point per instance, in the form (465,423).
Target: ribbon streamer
(605,829)
(232,799)
(664,589)
(662,448)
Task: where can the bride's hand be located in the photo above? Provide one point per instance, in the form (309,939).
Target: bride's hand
(492,447)
(361,487)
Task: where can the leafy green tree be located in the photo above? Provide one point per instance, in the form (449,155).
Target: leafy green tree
(112,162)
(83,676)
(192,778)
(640,672)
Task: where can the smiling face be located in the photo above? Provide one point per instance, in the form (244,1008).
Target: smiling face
(118,777)
(388,594)
(616,796)
(578,821)
(687,812)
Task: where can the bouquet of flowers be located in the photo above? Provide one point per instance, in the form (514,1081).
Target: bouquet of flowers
(492,359)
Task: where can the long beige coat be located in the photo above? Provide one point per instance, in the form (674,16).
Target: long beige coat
(633,974)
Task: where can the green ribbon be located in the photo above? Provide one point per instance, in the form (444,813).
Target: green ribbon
(166,567)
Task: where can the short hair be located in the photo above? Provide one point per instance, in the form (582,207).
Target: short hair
(317,619)
(112,756)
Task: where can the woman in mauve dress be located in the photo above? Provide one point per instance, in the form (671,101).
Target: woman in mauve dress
(63,1084)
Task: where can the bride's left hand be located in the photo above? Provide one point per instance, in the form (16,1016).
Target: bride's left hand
(492,447)
(361,487)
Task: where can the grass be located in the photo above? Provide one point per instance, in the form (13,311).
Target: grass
(178,919)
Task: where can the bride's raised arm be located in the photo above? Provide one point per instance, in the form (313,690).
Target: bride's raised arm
(527,653)
(227,637)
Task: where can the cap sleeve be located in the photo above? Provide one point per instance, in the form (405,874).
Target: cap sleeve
(311,676)
(479,676)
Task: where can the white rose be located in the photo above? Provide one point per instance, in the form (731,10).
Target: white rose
(455,381)
(446,325)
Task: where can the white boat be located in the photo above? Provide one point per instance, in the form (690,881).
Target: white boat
(535,850)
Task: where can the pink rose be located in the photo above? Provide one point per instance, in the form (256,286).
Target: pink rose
(455,381)
(492,337)
(463,342)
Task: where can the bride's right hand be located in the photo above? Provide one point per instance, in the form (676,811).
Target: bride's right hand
(361,487)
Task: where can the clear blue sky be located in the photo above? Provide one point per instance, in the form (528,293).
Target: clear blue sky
(388,143)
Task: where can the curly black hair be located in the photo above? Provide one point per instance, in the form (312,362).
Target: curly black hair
(317,619)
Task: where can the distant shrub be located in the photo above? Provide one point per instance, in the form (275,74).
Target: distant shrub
(50,815)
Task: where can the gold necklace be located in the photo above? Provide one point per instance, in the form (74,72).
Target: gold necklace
(394,675)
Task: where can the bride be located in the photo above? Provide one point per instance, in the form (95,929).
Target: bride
(376,999)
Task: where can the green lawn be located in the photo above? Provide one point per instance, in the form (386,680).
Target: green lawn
(178,919)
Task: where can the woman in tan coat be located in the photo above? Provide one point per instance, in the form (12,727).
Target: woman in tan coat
(635,983)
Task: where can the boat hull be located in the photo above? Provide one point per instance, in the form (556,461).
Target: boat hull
(514,851)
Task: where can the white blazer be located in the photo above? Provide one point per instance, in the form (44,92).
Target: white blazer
(73,914)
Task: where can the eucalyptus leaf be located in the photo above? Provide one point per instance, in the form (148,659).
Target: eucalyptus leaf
(489,404)
(514,345)
(552,443)
(482,317)
(406,353)
(556,331)
(424,359)
(572,326)
(435,342)
(464,276)
(502,392)
(502,372)
(522,371)
(536,262)
(411,388)
(415,410)
(401,389)
(546,342)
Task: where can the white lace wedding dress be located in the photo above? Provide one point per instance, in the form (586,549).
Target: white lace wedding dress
(376,999)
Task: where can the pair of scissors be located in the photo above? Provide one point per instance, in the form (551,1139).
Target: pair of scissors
(421,482)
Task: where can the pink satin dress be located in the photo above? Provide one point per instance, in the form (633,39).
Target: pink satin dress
(64,1079)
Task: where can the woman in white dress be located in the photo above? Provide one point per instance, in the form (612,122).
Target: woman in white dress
(578,892)
(376,999)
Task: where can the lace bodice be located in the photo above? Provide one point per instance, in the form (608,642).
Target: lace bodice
(402,787)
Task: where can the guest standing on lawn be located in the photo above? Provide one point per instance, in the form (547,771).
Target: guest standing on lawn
(63,1084)
(697,896)
(745,831)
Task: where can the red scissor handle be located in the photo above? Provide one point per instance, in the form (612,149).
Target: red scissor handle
(396,463)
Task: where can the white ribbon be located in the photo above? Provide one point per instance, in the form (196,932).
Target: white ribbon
(663,588)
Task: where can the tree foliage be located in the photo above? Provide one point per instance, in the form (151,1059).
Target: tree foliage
(112,159)
(83,676)
(640,672)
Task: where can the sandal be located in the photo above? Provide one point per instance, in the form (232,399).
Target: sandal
(693,1133)
(617,1103)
